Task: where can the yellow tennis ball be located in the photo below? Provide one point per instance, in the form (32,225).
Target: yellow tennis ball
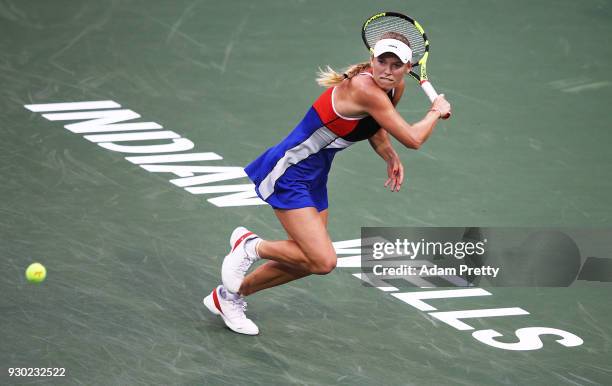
(36,273)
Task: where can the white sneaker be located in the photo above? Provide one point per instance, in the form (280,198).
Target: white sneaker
(238,261)
(232,312)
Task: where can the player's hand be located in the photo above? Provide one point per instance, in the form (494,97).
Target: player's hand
(395,173)
(442,105)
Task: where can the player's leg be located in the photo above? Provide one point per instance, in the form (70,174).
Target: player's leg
(274,273)
(310,247)
(268,275)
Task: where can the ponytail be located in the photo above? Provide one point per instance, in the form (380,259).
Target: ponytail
(330,77)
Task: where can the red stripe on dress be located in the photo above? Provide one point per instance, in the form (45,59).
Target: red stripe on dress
(324,107)
(325,110)
(342,127)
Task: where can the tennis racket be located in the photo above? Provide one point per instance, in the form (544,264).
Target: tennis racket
(376,26)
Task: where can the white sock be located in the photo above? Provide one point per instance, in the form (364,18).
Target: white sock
(251,247)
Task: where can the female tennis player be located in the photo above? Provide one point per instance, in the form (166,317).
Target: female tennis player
(292,175)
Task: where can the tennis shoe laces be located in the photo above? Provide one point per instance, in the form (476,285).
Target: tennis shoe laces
(232,311)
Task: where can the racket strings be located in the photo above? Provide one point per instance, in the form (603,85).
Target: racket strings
(378,27)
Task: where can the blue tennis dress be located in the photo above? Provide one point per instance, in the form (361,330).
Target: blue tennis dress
(293,173)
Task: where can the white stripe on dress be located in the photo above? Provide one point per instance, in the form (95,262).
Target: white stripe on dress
(313,144)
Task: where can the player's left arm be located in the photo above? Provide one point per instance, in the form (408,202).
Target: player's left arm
(381,144)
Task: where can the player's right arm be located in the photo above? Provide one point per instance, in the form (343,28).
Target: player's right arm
(376,103)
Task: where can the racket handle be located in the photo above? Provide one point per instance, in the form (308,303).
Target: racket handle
(431,93)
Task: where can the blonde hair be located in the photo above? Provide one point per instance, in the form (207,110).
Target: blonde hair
(330,77)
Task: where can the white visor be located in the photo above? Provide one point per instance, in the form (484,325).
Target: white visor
(394,46)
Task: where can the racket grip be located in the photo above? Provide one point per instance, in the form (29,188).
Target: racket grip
(429,90)
(431,93)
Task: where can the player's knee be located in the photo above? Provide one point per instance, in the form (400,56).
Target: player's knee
(324,266)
